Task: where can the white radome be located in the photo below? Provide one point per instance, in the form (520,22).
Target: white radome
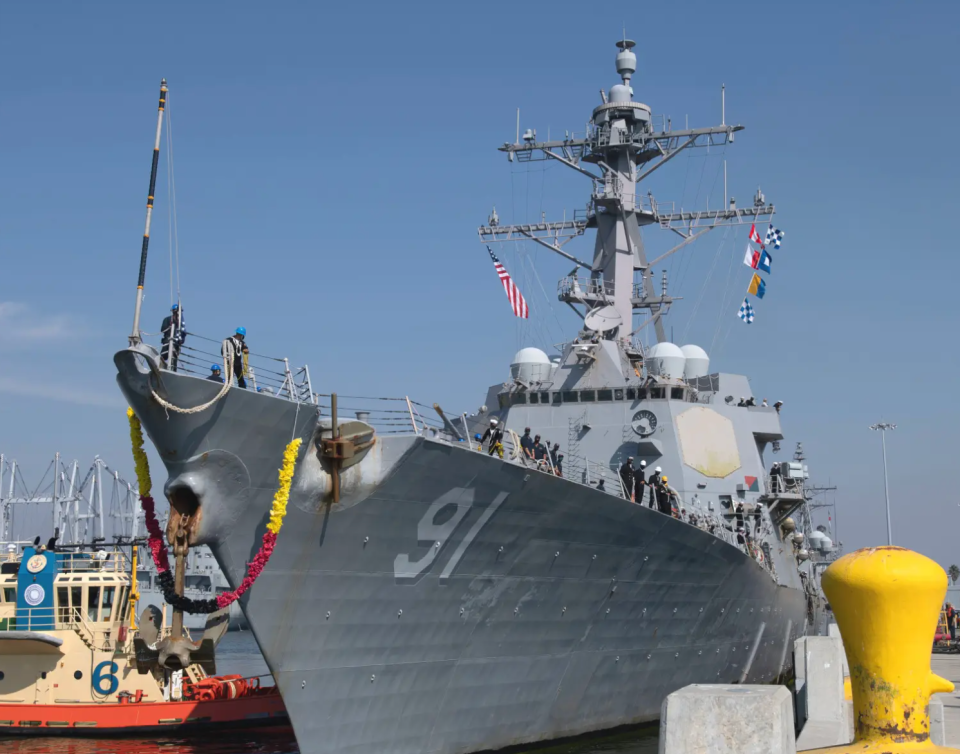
(697,362)
(665,360)
(530,365)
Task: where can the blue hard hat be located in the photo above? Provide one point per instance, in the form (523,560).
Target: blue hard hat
(214,367)
(241,331)
(174,307)
(477,436)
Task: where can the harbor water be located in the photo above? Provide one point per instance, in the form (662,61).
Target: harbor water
(238,653)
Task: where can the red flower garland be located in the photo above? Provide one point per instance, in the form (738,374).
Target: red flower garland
(160,558)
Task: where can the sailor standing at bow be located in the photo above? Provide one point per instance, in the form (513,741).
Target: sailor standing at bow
(239,351)
(173,332)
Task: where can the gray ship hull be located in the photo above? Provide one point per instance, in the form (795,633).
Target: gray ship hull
(459,603)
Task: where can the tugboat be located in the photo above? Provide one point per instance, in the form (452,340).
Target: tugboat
(73,661)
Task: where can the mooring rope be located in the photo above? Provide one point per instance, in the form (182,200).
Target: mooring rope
(228,356)
(278,510)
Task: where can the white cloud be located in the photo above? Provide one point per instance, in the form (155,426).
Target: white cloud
(22,325)
(64,393)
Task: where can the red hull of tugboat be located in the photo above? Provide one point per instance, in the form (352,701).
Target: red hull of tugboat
(132,718)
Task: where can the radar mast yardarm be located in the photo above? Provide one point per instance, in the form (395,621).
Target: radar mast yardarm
(622,143)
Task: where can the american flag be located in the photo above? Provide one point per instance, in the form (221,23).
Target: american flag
(517,301)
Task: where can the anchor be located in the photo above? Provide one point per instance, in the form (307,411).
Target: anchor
(176,651)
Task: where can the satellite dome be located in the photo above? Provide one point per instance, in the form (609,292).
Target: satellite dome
(697,364)
(665,360)
(826,544)
(530,365)
(816,539)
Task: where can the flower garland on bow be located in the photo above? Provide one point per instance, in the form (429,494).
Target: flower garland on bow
(155,535)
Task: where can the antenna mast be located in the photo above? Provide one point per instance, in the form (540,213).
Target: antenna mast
(135,333)
(624,143)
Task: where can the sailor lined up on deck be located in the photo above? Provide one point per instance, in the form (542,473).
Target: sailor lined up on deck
(494,435)
(639,482)
(239,349)
(526,443)
(215,375)
(556,458)
(626,478)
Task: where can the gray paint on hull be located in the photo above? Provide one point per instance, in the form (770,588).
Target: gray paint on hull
(594,610)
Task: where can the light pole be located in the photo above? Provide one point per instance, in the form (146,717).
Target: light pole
(883,427)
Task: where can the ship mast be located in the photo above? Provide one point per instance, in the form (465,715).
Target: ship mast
(135,333)
(625,148)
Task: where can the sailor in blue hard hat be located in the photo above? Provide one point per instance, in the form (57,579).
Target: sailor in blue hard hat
(173,333)
(239,348)
(215,375)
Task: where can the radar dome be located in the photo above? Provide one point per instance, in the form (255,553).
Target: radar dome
(816,540)
(697,364)
(665,360)
(826,544)
(619,93)
(530,365)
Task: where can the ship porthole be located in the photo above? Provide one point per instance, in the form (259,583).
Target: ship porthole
(78,674)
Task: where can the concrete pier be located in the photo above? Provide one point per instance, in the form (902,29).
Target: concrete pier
(947,666)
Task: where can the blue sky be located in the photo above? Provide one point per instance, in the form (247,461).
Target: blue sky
(332,164)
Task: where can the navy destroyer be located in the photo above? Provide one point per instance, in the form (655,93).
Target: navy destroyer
(427,595)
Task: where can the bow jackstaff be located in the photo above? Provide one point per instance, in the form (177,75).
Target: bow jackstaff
(135,334)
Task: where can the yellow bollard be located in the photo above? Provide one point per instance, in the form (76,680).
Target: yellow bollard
(886,601)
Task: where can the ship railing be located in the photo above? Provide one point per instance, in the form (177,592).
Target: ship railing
(389,416)
(576,287)
(98,561)
(271,375)
(31,619)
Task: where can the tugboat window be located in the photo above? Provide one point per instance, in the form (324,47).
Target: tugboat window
(1,675)
(9,594)
(107,611)
(605,395)
(618,395)
(569,396)
(534,398)
(93,603)
(544,398)
(76,597)
(519,398)
(657,393)
(556,399)
(676,393)
(631,394)
(63,604)
(587,396)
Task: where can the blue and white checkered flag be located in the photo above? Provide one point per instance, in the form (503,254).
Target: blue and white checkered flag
(746,312)
(774,236)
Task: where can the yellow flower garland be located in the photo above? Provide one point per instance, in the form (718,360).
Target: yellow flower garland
(139,455)
(279,507)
